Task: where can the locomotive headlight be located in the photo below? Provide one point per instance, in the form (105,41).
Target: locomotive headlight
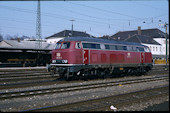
(64,61)
(53,61)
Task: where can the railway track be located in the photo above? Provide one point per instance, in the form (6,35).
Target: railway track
(34,77)
(14,78)
(104,103)
(21,89)
(67,88)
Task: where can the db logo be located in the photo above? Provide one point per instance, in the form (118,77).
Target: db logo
(128,55)
(58,56)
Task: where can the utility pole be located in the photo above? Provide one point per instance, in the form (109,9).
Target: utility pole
(165,25)
(38,26)
(72,28)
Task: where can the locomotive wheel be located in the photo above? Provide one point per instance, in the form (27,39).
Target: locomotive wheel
(99,73)
(82,74)
(53,71)
(106,73)
(102,73)
(61,75)
(140,71)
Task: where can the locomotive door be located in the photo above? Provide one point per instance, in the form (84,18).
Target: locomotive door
(142,57)
(86,56)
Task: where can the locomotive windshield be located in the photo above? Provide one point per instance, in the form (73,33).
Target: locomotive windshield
(62,45)
(58,45)
(65,45)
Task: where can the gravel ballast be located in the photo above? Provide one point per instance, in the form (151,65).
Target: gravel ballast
(25,103)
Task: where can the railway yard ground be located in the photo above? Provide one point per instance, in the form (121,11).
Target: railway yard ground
(34,89)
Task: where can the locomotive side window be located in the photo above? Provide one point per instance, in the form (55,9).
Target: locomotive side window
(86,45)
(102,46)
(141,49)
(91,46)
(111,47)
(107,47)
(125,48)
(115,47)
(65,45)
(122,48)
(58,45)
(95,46)
(129,48)
(134,48)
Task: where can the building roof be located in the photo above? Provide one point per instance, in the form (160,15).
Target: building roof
(25,45)
(141,39)
(152,33)
(67,33)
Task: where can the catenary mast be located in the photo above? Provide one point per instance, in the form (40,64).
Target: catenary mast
(38,27)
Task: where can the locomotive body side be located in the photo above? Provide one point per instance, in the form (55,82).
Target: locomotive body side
(84,58)
(121,57)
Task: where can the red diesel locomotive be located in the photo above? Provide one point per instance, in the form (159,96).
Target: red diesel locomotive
(84,56)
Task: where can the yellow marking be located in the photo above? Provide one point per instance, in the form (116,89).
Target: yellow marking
(120,84)
(121,68)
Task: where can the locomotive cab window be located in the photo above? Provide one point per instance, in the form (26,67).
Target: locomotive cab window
(78,46)
(65,45)
(58,45)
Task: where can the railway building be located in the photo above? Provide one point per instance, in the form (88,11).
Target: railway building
(153,38)
(24,53)
(65,34)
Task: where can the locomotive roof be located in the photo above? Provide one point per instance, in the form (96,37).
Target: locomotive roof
(89,39)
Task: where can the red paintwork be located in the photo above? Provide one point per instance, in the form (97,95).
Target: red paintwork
(86,56)
(113,57)
(148,57)
(77,56)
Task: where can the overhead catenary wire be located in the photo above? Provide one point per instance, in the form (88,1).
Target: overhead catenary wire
(56,15)
(106,11)
(92,22)
(66,17)
(146,5)
(60,7)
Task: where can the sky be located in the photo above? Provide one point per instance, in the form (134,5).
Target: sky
(97,18)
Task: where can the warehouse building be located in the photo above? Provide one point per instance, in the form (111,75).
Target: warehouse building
(24,53)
